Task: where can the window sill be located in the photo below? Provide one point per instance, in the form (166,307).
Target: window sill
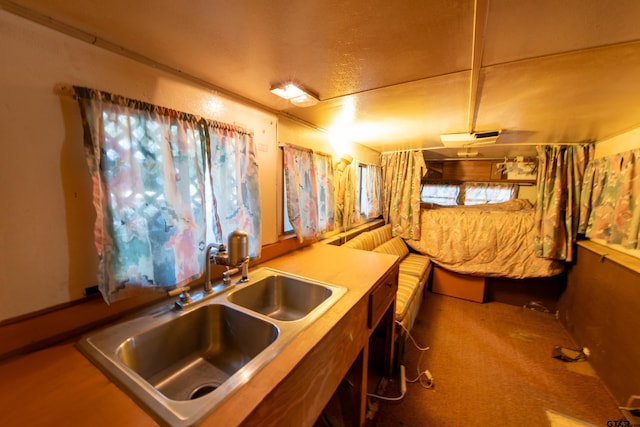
(609,252)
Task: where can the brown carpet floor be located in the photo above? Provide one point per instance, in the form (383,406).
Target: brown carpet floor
(492,366)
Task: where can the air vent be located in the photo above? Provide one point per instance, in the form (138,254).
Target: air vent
(491,134)
(469,139)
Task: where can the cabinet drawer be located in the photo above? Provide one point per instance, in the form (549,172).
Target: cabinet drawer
(381,298)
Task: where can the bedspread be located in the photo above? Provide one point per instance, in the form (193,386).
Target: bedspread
(484,240)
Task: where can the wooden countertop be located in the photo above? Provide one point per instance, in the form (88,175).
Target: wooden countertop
(58,386)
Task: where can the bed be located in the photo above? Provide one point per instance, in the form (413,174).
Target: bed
(492,240)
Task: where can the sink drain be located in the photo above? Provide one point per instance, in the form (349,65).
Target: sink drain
(203,390)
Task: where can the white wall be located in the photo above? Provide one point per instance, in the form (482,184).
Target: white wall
(618,144)
(292,132)
(47,255)
(529,192)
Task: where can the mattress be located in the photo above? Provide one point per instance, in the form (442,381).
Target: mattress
(492,240)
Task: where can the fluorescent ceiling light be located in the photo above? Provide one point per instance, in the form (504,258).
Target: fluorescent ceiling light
(295,93)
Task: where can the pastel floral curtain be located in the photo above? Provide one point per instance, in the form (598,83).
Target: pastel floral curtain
(310,198)
(323,167)
(402,174)
(346,188)
(610,202)
(561,170)
(232,169)
(149,168)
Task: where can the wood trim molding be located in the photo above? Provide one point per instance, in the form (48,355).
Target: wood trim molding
(609,252)
(35,331)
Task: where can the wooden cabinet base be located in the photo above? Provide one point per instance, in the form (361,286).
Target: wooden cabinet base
(458,285)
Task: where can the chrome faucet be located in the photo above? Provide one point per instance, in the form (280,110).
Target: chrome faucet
(237,257)
(238,254)
(208,287)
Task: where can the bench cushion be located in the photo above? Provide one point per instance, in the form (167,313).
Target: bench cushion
(414,269)
(395,246)
(407,290)
(362,241)
(381,235)
(415,265)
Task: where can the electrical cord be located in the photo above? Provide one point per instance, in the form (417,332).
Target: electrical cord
(403,388)
(424,377)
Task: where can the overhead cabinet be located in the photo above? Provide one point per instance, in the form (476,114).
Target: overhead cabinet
(475,170)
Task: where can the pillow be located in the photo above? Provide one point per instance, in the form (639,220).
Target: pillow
(395,246)
(381,235)
(362,241)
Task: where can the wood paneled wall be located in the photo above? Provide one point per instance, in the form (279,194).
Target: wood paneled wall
(466,170)
(599,308)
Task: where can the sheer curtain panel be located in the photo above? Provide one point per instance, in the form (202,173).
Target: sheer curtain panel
(370,191)
(345,193)
(146,164)
(165,184)
(233,182)
(310,197)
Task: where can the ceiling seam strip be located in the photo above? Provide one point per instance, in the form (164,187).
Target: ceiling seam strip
(563,53)
(480,16)
(408,82)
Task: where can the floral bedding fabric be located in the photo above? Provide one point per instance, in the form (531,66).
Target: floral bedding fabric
(495,240)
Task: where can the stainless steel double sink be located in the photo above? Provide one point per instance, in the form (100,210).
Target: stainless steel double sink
(181,364)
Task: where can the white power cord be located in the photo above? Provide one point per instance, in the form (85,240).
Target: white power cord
(403,388)
(425,377)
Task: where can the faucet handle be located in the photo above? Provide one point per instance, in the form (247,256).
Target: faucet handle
(183,291)
(185,297)
(178,290)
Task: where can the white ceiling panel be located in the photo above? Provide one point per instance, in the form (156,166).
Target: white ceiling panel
(395,75)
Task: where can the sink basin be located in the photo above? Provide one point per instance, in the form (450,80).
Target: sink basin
(282,297)
(193,355)
(179,365)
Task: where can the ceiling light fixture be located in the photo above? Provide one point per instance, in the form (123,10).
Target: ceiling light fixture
(295,93)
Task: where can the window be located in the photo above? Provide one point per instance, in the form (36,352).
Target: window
(470,193)
(440,194)
(286,224)
(165,183)
(362,188)
(476,193)
(369,191)
(308,191)
(347,195)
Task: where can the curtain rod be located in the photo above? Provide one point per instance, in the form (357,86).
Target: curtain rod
(281,145)
(511,144)
(78,92)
